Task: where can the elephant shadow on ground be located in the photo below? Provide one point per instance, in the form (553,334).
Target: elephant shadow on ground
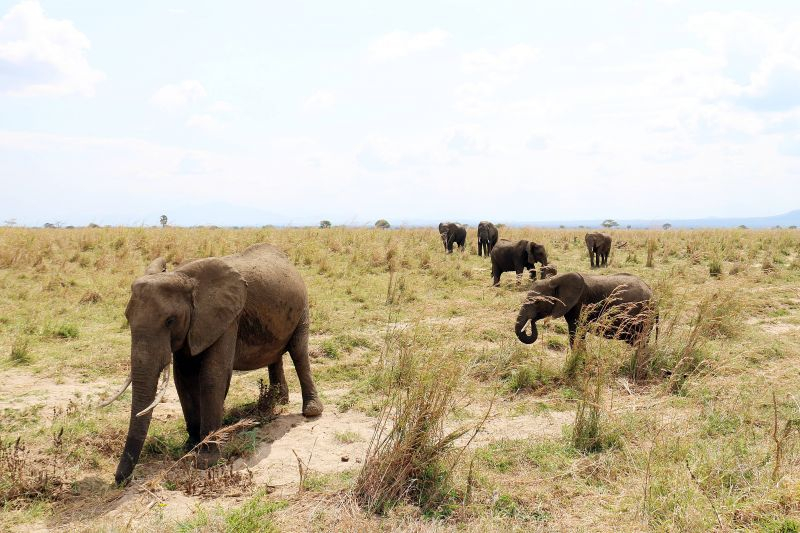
(273,431)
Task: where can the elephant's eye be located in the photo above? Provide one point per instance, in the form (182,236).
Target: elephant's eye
(170,321)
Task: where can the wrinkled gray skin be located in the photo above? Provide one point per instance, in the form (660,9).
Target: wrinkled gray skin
(599,246)
(453,233)
(508,256)
(567,294)
(211,317)
(487,238)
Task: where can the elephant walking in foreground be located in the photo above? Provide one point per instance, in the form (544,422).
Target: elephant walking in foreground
(508,256)
(620,303)
(453,233)
(599,246)
(210,317)
(487,238)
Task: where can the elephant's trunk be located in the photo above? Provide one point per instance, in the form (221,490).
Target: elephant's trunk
(523,318)
(144,377)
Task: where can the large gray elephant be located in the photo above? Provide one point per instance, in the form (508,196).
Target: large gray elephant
(508,256)
(487,237)
(210,317)
(625,299)
(599,246)
(453,233)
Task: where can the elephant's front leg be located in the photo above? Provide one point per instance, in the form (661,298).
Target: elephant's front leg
(572,328)
(298,350)
(277,382)
(216,369)
(519,269)
(187,375)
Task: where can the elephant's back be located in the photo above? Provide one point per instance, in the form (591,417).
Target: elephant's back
(270,276)
(277,299)
(502,248)
(635,289)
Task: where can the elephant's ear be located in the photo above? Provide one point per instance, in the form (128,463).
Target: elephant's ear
(158,265)
(543,252)
(218,297)
(567,289)
(532,248)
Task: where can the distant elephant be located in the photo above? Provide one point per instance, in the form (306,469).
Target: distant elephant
(624,298)
(487,238)
(453,233)
(442,230)
(210,317)
(599,246)
(510,256)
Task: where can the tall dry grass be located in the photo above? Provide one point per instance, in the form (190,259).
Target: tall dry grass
(413,453)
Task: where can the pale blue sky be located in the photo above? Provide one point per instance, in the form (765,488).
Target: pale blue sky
(117,112)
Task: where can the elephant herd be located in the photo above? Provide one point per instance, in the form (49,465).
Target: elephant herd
(509,256)
(623,301)
(209,317)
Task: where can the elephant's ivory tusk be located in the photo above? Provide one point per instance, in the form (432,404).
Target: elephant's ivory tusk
(117,395)
(161,392)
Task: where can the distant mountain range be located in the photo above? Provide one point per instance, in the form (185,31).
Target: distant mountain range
(227,215)
(791,218)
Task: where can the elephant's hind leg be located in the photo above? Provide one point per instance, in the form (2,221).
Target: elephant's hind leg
(298,350)
(277,382)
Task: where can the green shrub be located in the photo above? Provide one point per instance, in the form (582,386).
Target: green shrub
(330,349)
(65,331)
(526,378)
(20,354)
(715,268)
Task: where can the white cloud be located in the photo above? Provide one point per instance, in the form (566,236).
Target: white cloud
(221,106)
(176,96)
(467,140)
(536,142)
(40,55)
(493,70)
(321,100)
(402,43)
(500,67)
(204,122)
(760,58)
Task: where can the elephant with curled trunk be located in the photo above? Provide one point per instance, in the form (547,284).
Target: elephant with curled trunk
(621,303)
(508,256)
(453,233)
(210,317)
(599,246)
(487,238)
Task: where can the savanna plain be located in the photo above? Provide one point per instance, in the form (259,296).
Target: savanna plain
(436,417)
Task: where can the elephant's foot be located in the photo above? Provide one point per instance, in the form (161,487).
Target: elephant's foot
(207,456)
(190,444)
(312,407)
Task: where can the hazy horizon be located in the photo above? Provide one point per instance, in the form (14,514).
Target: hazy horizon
(420,111)
(790,219)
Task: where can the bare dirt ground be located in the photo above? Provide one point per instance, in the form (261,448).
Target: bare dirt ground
(333,443)
(20,389)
